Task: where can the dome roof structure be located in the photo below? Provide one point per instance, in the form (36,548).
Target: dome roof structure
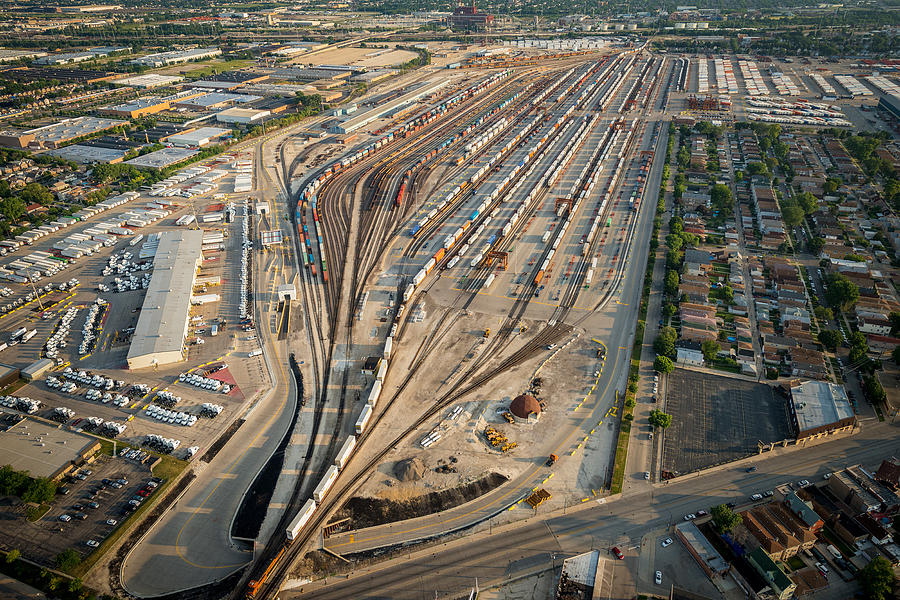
(525,406)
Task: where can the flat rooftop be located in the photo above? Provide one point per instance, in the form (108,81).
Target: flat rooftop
(163,322)
(162,158)
(149,80)
(40,448)
(73,128)
(88,154)
(819,404)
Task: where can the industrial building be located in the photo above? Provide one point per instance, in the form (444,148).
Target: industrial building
(468,17)
(175,57)
(139,107)
(890,104)
(819,408)
(162,158)
(351,125)
(214,101)
(243,116)
(701,549)
(53,136)
(149,80)
(45,449)
(197,138)
(163,323)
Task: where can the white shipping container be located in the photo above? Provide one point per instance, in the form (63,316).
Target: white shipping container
(326,483)
(346,450)
(363,419)
(300,520)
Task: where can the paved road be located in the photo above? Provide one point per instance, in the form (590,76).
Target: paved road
(523,548)
(192,542)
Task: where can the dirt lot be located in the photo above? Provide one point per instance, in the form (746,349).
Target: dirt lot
(360,57)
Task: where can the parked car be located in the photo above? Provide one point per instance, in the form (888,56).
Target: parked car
(65,518)
(666,542)
(658,578)
(92,543)
(690,517)
(756,497)
(617,553)
(803,483)
(111,522)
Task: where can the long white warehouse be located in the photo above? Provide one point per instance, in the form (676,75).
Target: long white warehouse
(163,325)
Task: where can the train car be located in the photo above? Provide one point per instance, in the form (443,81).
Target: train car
(326,483)
(344,453)
(388,347)
(374,393)
(296,525)
(363,419)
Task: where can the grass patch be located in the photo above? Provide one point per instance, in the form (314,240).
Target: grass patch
(208,68)
(168,470)
(13,387)
(795,563)
(35,511)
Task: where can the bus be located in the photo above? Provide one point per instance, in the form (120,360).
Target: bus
(609,221)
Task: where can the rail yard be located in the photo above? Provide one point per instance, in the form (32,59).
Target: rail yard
(458,298)
(511,203)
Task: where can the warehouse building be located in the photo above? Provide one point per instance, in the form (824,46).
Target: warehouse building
(57,134)
(163,324)
(244,116)
(139,107)
(45,449)
(357,122)
(149,80)
(175,57)
(197,138)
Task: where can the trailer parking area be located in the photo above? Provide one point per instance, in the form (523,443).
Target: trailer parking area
(718,419)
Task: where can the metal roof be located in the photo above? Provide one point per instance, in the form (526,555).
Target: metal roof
(163,324)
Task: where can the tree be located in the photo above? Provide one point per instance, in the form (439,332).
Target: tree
(896,355)
(75,585)
(874,391)
(756,168)
(728,294)
(830,338)
(12,209)
(39,490)
(710,349)
(792,214)
(675,242)
(720,195)
(724,519)
(663,364)
(35,193)
(857,339)
(659,419)
(831,185)
(12,556)
(815,245)
(895,322)
(664,343)
(807,202)
(68,559)
(672,283)
(841,293)
(877,579)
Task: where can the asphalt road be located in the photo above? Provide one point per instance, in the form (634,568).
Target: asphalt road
(537,544)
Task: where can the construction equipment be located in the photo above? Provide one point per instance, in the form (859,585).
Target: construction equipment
(538,497)
(508,416)
(487,333)
(552,460)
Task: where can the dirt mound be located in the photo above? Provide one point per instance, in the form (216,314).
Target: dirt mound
(368,512)
(411,469)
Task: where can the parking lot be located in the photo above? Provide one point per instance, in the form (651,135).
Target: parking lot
(718,419)
(50,535)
